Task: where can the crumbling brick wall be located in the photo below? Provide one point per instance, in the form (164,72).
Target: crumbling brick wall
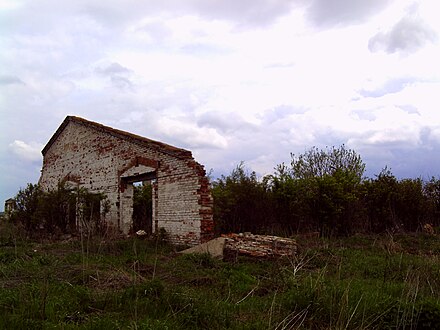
(102,159)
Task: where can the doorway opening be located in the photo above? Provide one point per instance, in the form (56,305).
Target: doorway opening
(143,206)
(138,199)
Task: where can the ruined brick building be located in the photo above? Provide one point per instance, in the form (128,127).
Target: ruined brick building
(102,159)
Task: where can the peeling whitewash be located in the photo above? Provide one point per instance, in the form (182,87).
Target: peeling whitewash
(106,160)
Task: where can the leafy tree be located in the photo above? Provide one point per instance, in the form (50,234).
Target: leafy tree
(380,200)
(241,203)
(319,163)
(291,201)
(57,210)
(431,190)
(27,201)
(411,204)
(333,179)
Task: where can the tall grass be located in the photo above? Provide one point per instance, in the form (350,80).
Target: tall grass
(356,283)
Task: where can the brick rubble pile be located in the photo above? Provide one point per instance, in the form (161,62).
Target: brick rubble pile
(259,246)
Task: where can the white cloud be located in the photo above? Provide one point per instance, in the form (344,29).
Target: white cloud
(230,80)
(27,151)
(188,135)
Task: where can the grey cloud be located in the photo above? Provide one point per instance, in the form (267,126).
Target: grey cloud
(269,143)
(267,146)
(390,86)
(424,160)
(408,35)
(42,16)
(281,112)
(403,161)
(380,148)
(121,82)
(111,13)
(113,68)
(244,12)
(224,122)
(329,13)
(410,109)
(406,159)
(117,74)
(10,80)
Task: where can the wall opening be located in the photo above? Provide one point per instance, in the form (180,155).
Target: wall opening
(86,213)
(138,201)
(143,206)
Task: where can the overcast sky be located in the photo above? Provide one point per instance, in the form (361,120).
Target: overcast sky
(230,80)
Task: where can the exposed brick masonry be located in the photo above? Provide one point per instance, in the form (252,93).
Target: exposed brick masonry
(259,246)
(103,159)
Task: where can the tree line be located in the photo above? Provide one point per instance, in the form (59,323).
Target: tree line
(325,191)
(321,190)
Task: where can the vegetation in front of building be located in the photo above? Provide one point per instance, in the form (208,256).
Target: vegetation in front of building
(60,211)
(359,282)
(321,190)
(373,263)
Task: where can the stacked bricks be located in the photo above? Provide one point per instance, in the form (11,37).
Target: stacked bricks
(258,246)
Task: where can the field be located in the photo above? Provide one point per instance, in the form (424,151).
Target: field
(360,282)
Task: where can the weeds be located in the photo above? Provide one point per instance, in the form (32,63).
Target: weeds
(141,284)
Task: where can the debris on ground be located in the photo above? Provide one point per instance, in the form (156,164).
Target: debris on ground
(230,246)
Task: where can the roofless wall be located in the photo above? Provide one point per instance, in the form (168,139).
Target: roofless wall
(106,160)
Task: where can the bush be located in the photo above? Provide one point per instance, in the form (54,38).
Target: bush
(241,203)
(59,211)
(324,191)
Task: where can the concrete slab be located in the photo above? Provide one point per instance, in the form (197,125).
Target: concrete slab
(214,247)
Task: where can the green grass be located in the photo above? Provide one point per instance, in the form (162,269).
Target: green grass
(361,282)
